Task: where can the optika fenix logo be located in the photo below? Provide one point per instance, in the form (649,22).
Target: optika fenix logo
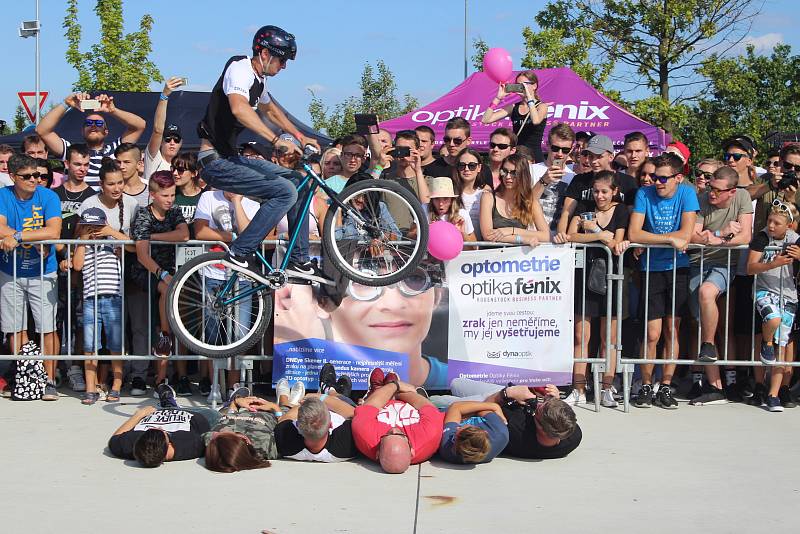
(519,286)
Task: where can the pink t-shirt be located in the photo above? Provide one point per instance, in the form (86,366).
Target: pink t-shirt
(423,428)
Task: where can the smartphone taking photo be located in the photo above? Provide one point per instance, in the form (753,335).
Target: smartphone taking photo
(90,104)
(366,123)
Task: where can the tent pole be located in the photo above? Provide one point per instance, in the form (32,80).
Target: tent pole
(465,39)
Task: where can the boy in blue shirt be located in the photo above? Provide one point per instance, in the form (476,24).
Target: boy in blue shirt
(29,212)
(663,214)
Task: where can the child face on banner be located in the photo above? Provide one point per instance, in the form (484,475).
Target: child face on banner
(392,320)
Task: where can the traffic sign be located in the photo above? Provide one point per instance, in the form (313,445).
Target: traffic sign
(28,99)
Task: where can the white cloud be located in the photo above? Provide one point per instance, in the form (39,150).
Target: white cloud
(315,88)
(761,43)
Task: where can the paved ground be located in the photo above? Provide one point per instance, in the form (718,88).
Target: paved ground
(726,468)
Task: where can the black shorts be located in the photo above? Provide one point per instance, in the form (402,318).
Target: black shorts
(743,305)
(662,291)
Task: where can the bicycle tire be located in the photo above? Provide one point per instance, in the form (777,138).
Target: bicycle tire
(190,273)
(371,277)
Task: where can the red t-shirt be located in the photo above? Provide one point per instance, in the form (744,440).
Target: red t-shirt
(423,428)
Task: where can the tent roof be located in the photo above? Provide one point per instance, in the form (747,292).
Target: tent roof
(186,109)
(573,101)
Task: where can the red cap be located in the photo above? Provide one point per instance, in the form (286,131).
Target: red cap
(685,153)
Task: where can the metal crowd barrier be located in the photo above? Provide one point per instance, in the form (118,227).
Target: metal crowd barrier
(625,363)
(188,249)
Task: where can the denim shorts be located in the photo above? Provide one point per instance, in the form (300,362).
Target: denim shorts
(769,306)
(108,319)
(718,275)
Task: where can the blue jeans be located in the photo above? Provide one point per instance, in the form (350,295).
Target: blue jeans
(108,318)
(273,186)
(214,330)
(465,389)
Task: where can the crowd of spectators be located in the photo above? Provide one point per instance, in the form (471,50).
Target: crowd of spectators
(579,189)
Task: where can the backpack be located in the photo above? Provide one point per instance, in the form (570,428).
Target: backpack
(30,378)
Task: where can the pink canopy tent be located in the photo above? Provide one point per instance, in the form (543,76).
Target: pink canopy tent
(572,101)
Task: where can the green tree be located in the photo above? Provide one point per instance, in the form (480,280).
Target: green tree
(657,43)
(378,96)
(119,61)
(750,93)
(20,119)
(480,48)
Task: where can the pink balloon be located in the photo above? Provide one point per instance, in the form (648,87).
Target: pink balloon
(497,64)
(445,241)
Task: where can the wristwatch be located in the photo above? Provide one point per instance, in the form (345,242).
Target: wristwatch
(17,236)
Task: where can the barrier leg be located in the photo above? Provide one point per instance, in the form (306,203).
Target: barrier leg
(597,370)
(627,375)
(219,366)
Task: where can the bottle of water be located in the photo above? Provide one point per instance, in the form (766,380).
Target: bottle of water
(215,397)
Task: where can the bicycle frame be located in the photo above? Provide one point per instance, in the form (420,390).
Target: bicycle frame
(314,182)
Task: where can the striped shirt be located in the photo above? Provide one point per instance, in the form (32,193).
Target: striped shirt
(95,159)
(101,268)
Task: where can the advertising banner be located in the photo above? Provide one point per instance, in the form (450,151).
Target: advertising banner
(511,315)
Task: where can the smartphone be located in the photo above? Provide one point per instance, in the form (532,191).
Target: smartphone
(366,123)
(87,105)
(401,152)
(560,163)
(515,88)
(184,81)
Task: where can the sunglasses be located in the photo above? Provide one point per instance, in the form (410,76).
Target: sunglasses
(455,141)
(352,155)
(700,174)
(733,156)
(712,189)
(34,175)
(774,163)
(784,208)
(179,169)
(663,179)
(88,123)
(172,139)
(471,166)
(789,167)
(501,146)
(561,149)
(506,172)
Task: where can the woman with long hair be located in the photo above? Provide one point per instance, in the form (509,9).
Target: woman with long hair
(529,116)
(511,214)
(468,179)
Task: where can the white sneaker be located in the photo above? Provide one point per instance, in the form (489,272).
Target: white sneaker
(607,397)
(575,398)
(76,381)
(281,389)
(297,393)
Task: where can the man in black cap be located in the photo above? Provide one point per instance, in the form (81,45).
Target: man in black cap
(165,143)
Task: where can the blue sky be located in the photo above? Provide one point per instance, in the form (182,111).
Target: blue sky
(421,41)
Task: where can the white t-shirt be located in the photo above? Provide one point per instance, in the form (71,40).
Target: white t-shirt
(472,203)
(218,211)
(239,77)
(153,164)
(5,179)
(464,214)
(129,209)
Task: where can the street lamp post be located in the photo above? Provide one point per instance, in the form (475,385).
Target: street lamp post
(465,39)
(31,28)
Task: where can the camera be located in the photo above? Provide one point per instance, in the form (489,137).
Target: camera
(401,152)
(789,179)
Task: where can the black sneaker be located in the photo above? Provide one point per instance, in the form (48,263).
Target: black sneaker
(711,395)
(204,386)
(733,393)
(773,404)
(166,396)
(708,353)
(695,391)
(644,399)
(327,378)
(184,388)
(307,271)
(239,261)
(138,387)
(664,398)
(759,397)
(163,347)
(344,386)
(238,393)
(785,397)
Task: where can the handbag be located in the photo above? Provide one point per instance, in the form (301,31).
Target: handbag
(596,282)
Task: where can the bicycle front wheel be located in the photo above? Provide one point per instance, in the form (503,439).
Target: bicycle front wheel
(381,235)
(216,311)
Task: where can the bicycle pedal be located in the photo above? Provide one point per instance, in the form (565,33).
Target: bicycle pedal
(299,281)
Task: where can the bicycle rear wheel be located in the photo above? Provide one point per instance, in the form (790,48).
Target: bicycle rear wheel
(216,311)
(382,235)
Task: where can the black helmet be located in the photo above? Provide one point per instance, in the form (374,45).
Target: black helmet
(278,41)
